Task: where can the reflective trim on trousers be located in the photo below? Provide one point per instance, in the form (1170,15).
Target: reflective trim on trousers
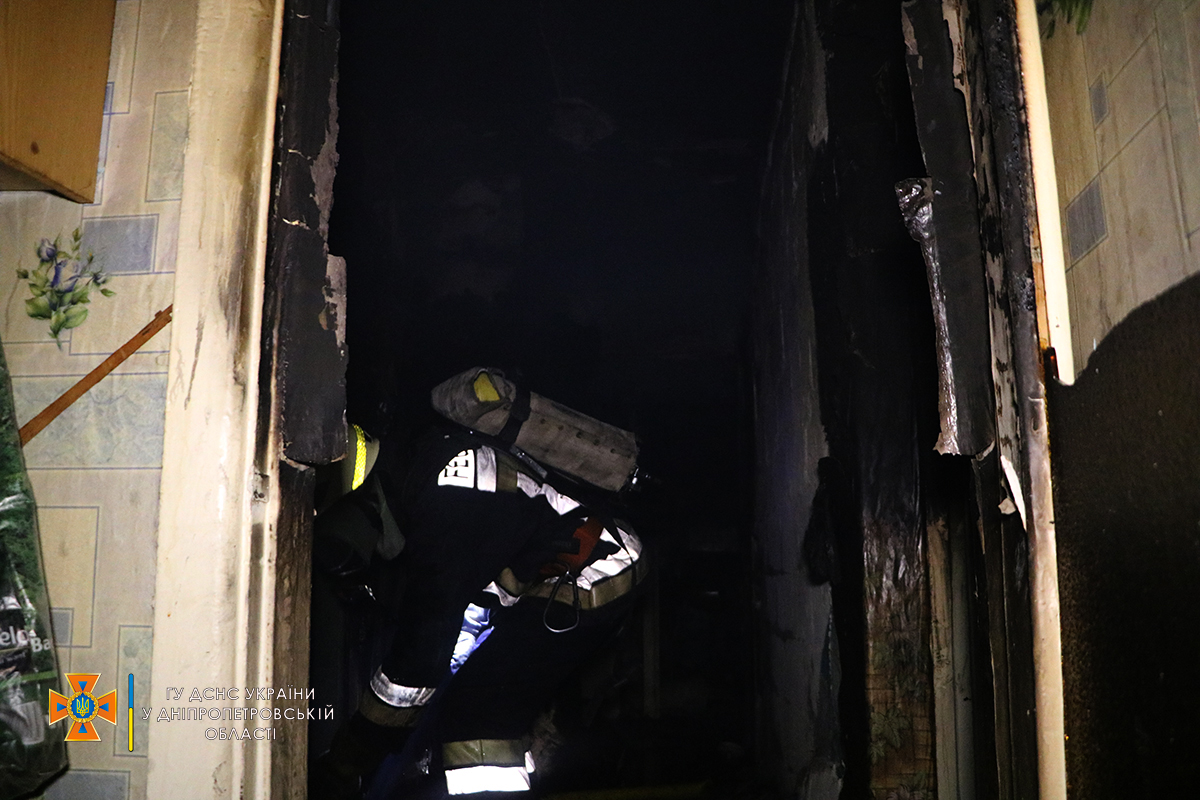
(399,696)
(487,765)
(486,778)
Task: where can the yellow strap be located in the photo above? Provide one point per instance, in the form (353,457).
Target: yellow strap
(360,458)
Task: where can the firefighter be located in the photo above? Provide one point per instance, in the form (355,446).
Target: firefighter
(507,585)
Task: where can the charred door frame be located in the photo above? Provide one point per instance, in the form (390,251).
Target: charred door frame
(971,55)
(1011,236)
(302,369)
(1019,570)
(302,402)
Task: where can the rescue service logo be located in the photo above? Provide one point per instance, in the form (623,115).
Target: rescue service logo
(83,707)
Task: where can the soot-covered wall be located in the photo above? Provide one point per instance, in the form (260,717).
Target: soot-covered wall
(844,367)
(797,661)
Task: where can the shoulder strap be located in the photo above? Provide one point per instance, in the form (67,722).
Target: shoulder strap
(518,412)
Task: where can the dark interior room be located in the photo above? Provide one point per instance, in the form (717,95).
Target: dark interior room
(568,192)
(587,196)
(599,400)
(788,246)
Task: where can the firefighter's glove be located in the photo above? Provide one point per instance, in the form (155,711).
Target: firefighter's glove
(553,535)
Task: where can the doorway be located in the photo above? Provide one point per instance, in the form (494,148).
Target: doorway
(637,212)
(568,192)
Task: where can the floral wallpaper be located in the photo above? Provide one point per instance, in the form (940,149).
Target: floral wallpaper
(61,284)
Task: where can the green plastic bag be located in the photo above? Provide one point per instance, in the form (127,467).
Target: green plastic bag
(31,751)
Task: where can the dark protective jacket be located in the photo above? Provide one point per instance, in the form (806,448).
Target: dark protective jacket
(475,519)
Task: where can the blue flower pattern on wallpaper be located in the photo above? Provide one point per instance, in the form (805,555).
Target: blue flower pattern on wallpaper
(61,284)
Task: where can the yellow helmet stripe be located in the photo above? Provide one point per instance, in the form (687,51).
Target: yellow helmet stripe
(360,458)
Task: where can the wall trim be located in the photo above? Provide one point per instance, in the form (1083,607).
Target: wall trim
(214,588)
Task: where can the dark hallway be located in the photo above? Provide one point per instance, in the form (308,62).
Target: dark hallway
(681,218)
(569,192)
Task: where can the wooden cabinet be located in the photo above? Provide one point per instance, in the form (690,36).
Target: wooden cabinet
(53,69)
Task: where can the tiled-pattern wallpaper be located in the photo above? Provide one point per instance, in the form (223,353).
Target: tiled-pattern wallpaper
(95,471)
(1125,118)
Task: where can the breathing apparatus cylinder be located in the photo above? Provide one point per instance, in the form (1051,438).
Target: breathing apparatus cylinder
(483,400)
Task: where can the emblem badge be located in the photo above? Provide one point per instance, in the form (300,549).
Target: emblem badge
(82,707)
